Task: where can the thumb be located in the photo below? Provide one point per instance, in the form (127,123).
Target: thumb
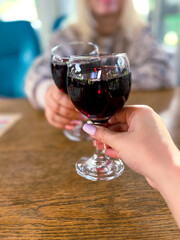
(105,135)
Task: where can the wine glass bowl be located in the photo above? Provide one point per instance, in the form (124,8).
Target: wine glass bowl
(98,86)
(59,59)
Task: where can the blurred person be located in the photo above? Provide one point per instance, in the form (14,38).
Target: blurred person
(115,27)
(157,158)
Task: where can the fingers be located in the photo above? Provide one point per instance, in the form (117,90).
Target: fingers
(122,115)
(116,135)
(62,98)
(110,138)
(112,153)
(99,145)
(59,102)
(56,120)
(105,135)
(59,110)
(119,127)
(125,114)
(137,135)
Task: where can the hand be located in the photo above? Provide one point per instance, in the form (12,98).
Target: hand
(59,110)
(139,137)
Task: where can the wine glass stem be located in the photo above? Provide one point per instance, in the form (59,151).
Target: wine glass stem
(99,155)
(99,166)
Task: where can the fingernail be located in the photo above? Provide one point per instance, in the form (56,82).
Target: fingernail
(69,127)
(90,129)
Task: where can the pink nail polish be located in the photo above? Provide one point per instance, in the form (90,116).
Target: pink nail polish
(90,129)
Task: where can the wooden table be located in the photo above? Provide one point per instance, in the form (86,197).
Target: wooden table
(42,197)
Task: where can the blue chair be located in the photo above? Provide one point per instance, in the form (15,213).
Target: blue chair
(58,22)
(19,46)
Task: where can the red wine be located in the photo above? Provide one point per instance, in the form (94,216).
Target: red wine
(59,73)
(99,99)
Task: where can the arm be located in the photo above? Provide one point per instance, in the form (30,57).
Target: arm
(170,188)
(39,77)
(158,159)
(42,92)
(152,68)
(38,80)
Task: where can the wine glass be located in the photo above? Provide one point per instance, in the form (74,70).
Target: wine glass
(59,59)
(98,86)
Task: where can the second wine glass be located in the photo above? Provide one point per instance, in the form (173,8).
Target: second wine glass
(59,59)
(98,86)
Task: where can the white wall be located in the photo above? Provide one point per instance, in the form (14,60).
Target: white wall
(48,11)
(178,59)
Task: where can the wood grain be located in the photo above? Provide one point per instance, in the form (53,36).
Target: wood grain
(42,197)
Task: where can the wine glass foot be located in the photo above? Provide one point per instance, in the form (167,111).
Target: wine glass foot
(99,169)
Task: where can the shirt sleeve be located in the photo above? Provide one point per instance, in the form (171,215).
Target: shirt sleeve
(39,77)
(152,68)
(38,80)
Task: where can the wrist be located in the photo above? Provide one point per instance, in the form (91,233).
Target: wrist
(169,170)
(168,186)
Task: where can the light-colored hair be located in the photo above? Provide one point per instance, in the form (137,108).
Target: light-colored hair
(130,22)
